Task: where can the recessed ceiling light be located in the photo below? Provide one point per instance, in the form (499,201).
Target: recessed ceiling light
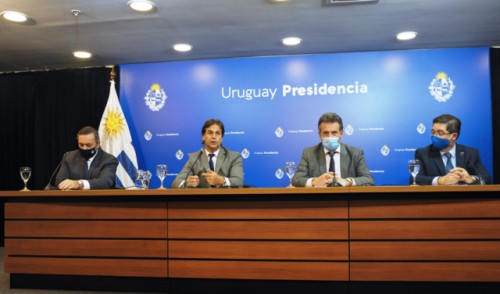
(405,36)
(291,41)
(182,47)
(141,5)
(82,54)
(14,16)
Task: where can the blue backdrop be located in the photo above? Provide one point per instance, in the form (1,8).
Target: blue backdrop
(270,107)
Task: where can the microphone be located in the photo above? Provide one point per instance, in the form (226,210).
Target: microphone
(469,163)
(191,168)
(49,187)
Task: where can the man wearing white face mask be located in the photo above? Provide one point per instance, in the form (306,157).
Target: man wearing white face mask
(332,163)
(444,162)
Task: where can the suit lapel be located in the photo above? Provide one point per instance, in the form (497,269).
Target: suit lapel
(220,159)
(345,161)
(320,153)
(438,161)
(460,156)
(95,162)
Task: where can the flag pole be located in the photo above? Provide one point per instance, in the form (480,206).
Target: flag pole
(112,74)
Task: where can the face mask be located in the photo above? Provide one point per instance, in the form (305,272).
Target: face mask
(87,153)
(440,143)
(330,143)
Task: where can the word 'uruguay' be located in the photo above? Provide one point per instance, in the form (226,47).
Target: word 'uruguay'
(314,90)
(248,94)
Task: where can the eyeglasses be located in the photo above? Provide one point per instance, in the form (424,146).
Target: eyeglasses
(439,133)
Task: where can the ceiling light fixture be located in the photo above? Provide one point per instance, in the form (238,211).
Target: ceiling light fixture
(141,5)
(182,47)
(291,41)
(14,16)
(82,54)
(405,36)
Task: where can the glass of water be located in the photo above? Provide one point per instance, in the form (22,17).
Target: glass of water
(414,168)
(290,169)
(161,173)
(25,172)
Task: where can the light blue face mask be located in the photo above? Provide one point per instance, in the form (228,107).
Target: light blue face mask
(330,143)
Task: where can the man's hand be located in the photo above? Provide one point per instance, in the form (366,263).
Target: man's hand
(323,180)
(70,185)
(192,181)
(213,178)
(450,179)
(463,174)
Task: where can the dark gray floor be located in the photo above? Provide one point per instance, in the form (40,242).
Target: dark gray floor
(5,289)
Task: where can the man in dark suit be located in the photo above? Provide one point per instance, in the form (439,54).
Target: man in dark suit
(89,167)
(331,163)
(214,165)
(445,162)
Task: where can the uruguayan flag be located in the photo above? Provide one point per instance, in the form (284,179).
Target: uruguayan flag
(116,139)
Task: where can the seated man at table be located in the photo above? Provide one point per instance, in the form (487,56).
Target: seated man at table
(444,162)
(331,163)
(214,165)
(88,167)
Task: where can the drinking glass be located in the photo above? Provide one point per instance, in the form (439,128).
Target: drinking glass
(290,169)
(414,168)
(161,172)
(25,172)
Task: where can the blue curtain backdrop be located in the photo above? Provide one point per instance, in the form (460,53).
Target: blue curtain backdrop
(270,107)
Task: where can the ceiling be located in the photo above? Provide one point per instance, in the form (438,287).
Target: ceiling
(232,28)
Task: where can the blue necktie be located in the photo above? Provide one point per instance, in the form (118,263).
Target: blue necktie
(211,162)
(449,165)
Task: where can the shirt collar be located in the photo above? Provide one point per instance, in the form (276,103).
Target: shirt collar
(452,151)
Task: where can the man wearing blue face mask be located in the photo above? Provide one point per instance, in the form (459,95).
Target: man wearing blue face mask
(332,163)
(88,167)
(445,162)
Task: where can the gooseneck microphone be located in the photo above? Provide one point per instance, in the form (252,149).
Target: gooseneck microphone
(49,187)
(191,171)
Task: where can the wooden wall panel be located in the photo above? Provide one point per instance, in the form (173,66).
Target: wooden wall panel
(262,250)
(425,271)
(425,208)
(87,266)
(424,229)
(124,210)
(87,229)
(269,230)
(259,210)
(266,270)
(425,250)
(86,247)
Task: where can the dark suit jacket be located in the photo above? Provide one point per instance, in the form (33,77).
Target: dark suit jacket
(431,163)
(352,165)
(102,171)
(229,164)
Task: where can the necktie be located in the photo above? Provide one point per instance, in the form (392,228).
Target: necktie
(332,162)
(86,170)
(211,162)
(449,165)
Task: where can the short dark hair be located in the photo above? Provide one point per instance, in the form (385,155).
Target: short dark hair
(89,130)
(330,117)
(453,124)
